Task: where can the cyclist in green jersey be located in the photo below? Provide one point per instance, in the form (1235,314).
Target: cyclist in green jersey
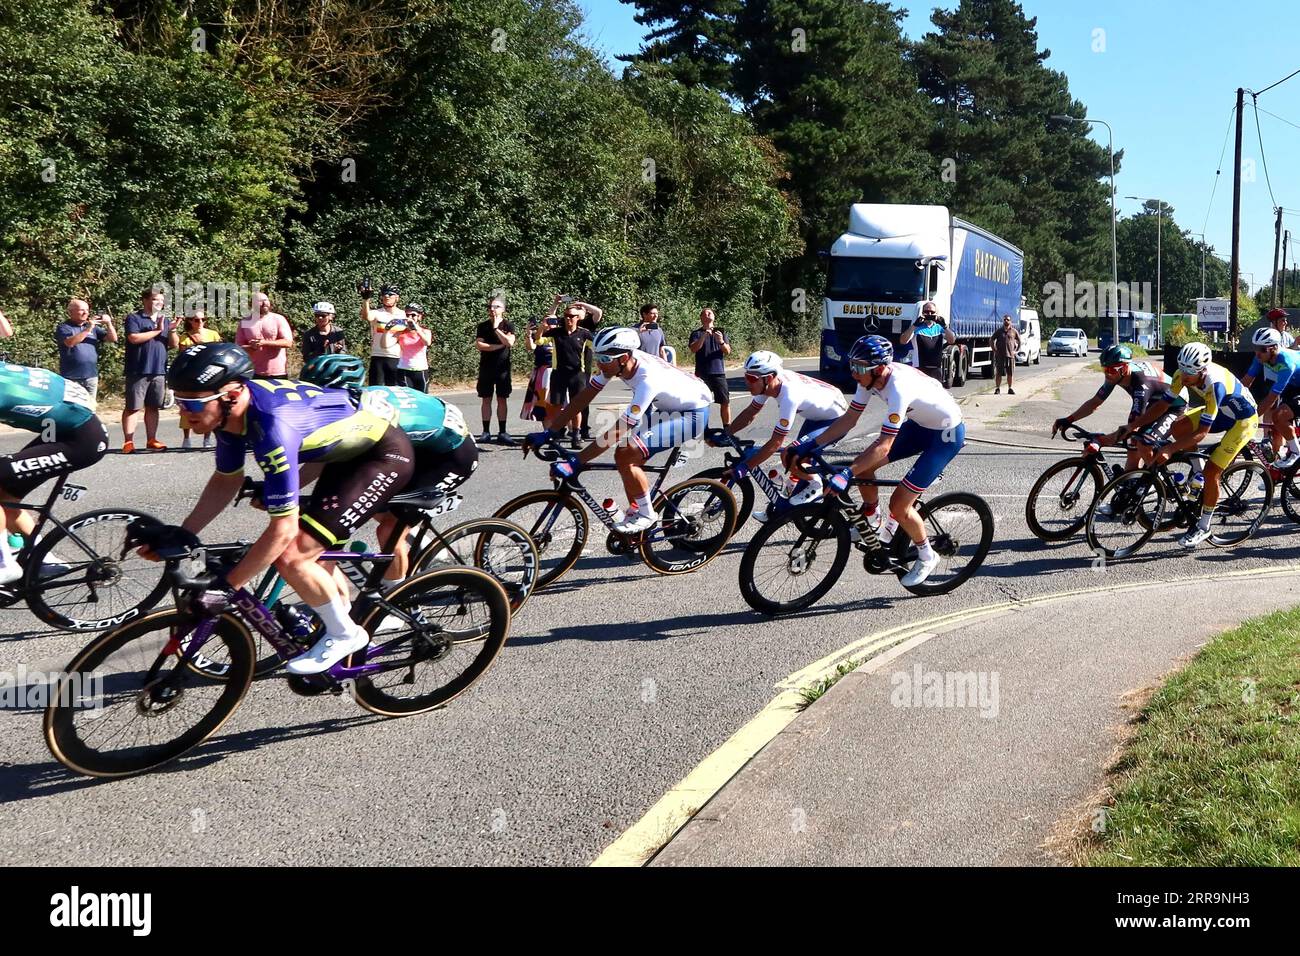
(69,437)
(445,453)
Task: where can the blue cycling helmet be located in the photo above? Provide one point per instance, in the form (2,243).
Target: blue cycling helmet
(872,350)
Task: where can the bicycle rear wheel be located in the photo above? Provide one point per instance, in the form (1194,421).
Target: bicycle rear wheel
(1245,494)
(697,518)
(558,526)
(960,528)
(86,585)
(152,708)
(501,548)
(742,491)
(794,560)
(439,634)
(1057,507)
(1126,514)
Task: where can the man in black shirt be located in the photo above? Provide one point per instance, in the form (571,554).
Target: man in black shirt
(931,334)
(324,337)
(494,340)
(711,346)
(567,377)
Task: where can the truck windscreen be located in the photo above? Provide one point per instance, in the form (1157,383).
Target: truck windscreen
(876,280)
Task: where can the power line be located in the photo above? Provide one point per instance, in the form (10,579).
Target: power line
(1228,132)
(1262,159)
(1279,82)
(1278,118)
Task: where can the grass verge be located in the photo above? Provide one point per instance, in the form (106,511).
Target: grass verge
(810,694)
(1212,775)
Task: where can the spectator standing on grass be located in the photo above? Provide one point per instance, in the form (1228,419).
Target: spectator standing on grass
(149,335)
(413,341)
(79,339)
(1006,343)
(266,336)
(324,337)
(195,332)
(711,347)
(384,323)
(652,336)
(494,339)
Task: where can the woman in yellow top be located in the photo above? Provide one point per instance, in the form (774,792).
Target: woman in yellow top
(195,332)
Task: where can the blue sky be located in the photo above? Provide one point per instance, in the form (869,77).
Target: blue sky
(1166,82)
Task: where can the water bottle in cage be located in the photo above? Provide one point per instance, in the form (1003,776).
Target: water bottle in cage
(613,510)
(298,622)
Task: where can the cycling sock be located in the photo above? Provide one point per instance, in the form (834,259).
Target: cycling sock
(1293,446)
(388,584)
(887,529)
(335,616)
(643,504)
(1204,522)
(924,551)
(869,508)
(9,570)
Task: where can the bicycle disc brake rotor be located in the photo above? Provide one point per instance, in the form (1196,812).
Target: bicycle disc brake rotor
(158,698)
(801,557)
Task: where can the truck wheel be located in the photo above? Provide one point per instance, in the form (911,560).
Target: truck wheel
(959,376)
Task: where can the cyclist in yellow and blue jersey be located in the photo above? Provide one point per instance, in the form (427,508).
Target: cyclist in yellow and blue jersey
(367,459)
(1229,408)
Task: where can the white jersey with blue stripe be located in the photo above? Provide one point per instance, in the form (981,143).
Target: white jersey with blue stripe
(913,396)
(800,395)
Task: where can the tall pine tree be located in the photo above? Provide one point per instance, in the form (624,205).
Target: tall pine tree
(692,39)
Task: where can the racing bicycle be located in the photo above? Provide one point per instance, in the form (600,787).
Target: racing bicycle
(162,684)
(1057,506)
(796,558)
(697,519)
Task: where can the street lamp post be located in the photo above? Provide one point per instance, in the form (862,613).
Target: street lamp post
(1114,245)
(1160,209)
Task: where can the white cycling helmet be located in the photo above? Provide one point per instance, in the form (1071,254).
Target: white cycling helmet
(763,363)
(1194,358)
(323,308)
(1267,337)
(611,341)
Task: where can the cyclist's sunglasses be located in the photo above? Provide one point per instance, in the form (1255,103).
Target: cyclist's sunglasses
(751,377)
(1117,368)
(605,358)
(862,368)
(196,405)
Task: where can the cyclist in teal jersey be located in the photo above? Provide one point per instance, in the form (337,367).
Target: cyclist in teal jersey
(366,461)
(445,453)
(69,437)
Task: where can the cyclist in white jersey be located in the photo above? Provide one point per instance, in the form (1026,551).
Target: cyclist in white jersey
(818,403)
(674,404)
(921,419)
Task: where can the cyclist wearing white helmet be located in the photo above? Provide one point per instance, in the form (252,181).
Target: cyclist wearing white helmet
(673,403)
(1229,408)
(818,403)
(1281,366)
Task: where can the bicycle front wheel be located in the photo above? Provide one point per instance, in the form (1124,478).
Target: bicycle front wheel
(794,560)
(126,704)
(1126,514)
(436,634)
(1245,493)
(501,548)
(960,528)
(1058,504)
(697,519)
(77,580)
(558,526)
(742,491)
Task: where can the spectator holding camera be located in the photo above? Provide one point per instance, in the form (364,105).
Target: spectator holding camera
(494,339)
(266,336)
(413,340)
(384,322)
(149,335)
(570,343)
(711,347)
(196,332)
(931,334)
(324,337)
(652,336)
(79,339)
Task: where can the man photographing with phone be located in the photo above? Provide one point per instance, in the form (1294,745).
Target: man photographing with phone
(79,338)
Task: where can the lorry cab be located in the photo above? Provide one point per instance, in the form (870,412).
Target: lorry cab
(1031,340)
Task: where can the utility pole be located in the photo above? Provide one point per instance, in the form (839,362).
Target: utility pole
(1286,238)
(1277,247)
(1236,221)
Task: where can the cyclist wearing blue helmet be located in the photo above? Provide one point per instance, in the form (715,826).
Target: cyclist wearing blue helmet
(921,419)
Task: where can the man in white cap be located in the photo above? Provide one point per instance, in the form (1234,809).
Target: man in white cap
(324,337)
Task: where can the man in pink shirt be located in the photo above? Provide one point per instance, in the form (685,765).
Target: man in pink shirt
(265,336)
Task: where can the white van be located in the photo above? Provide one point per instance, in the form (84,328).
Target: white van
(1031,340)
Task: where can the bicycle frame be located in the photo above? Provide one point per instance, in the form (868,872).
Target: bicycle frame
(755,474)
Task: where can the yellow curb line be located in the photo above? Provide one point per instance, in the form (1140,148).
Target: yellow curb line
(636,845)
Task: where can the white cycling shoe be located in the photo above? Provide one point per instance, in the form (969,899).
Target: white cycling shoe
(1105,509)
(1194,537)
(810,492)
(921,570)
(635,522)
(327,652)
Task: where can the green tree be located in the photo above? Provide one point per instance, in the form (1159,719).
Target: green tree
(692,39)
